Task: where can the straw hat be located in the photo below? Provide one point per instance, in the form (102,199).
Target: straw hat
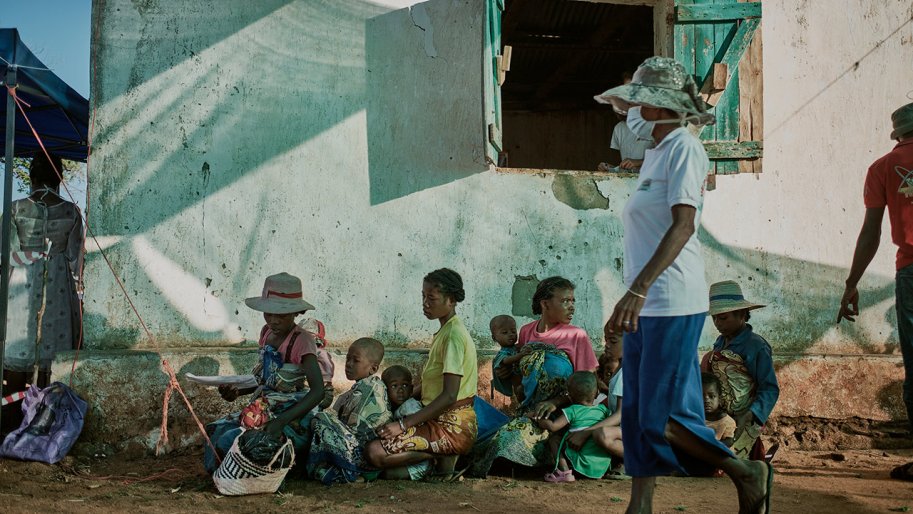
(727,296)
(902,119)
(281,295)
(660,82)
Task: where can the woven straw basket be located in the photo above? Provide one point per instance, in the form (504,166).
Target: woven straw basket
(238,476)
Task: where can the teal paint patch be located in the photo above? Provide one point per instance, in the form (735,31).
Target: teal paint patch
(521,295)
(578,193)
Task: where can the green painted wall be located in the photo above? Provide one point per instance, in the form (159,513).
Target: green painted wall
(344,141)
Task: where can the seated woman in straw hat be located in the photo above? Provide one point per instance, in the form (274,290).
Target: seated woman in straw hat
(665,306)
(741,360)
(282,402)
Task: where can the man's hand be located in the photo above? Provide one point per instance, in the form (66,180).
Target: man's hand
(746,419)
(503,372)
(274,427)
(576,440)
(390,430)
(849,305)
(543,410)
(228,392)
(630,164)
(626,313)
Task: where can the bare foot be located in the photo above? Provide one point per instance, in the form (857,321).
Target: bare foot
(754,487)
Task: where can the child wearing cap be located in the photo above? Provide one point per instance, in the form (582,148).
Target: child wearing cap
(289,378)
(743,363)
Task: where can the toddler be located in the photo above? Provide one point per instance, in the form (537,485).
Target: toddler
(504,332)
(398,380)
(340,433)
(324,360)
(609,371)
(716,418)
(591,460)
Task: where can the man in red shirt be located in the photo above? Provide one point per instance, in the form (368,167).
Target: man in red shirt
(889,183)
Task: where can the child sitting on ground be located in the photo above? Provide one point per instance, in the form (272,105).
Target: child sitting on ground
(341,433)
(716,418)
(609,373)
(591,460)
(607,433)
(398,380)
(504,332)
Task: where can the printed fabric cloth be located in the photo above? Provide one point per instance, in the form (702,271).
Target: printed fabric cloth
(502,386)
(51,282)
(745,370)
(341,433)
(409,407)
(544,371)
(282,385)
(452,433)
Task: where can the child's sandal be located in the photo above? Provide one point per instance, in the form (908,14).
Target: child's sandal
(559,476)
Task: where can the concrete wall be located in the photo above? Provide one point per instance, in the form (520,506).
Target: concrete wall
(231,143)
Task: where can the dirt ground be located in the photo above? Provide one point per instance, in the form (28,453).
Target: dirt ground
(806,482)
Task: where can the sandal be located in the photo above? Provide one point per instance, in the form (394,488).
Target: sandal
(445,476)
(765,501)
(559,476)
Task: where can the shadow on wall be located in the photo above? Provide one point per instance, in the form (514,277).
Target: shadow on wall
(802,297)
(236,106)
(203,107)
(425,111)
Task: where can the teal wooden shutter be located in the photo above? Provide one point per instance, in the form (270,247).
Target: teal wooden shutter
(718,41)
(425,85)
(495,53)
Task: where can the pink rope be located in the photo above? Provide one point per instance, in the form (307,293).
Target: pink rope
(172,378)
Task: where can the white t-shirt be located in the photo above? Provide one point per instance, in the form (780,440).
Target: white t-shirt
(627,143)
(673,173)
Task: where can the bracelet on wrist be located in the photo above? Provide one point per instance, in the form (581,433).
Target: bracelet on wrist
(635,293)
(402,426)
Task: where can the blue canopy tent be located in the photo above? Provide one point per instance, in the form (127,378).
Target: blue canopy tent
(58,114)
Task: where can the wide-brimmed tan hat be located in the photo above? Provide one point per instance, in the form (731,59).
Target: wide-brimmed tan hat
(726,296)
(902,119)
(660,82)
(281,295)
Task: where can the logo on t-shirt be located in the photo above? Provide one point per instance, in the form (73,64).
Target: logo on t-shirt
(906,181)
(645,185)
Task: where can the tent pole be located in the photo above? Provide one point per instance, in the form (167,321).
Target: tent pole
(7,215)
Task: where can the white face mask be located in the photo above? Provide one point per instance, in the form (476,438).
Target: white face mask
(644,129)
(641,128)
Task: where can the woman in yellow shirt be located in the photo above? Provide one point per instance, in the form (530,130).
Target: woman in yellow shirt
(446,425)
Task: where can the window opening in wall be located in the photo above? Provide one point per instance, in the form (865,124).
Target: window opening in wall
(563,53)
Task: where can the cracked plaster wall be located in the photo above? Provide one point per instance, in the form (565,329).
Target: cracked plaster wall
(231,148)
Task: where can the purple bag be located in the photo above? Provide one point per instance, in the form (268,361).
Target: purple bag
(53,421)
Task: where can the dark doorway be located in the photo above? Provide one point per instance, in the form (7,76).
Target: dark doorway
(564,53)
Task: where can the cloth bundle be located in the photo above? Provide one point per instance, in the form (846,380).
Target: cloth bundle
(52,423)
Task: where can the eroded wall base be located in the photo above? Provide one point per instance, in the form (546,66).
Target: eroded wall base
(125,391)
